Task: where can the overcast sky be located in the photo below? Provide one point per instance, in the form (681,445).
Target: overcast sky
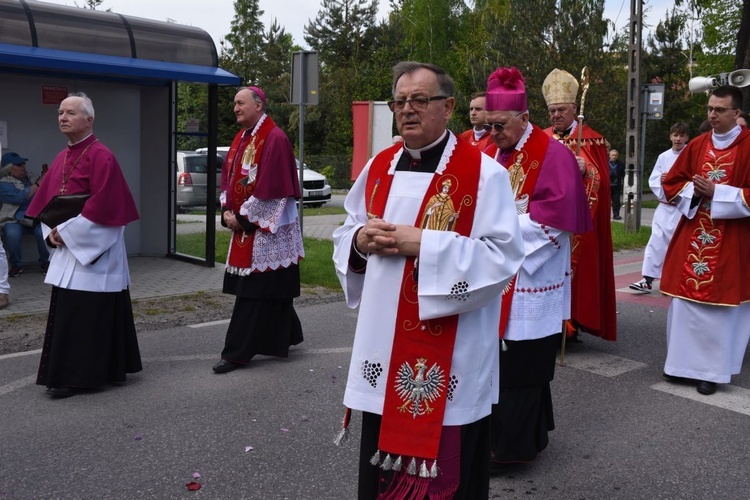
(215,16)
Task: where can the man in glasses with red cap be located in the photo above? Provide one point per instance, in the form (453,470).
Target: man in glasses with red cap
(551,206)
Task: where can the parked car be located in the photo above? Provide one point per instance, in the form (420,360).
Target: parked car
(192,179)
(315,189)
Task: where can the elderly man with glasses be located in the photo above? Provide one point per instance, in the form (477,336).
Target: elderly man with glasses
(705,270)
(430,241)
(17,190)
(551,206)
(593,306)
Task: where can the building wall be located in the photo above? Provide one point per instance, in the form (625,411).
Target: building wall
(130,120)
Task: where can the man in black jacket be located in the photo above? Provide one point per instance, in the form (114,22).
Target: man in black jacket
(616,180)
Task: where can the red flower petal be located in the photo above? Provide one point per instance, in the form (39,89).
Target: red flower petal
(193,486)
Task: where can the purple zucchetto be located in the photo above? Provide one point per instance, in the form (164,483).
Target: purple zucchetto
(506,91)
(259,93)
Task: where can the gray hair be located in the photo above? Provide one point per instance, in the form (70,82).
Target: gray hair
(86,103)
(445,82)
(256,97)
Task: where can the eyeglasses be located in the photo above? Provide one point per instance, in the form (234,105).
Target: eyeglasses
(718,111)
(416,103)
(499,127)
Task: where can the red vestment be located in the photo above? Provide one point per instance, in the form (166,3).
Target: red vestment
(706,259)
(482,143)
(593,306)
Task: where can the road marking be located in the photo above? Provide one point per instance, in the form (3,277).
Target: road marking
(728,397)
(602,364)
(19,354)
(192,357)
(17,384)
(209,323)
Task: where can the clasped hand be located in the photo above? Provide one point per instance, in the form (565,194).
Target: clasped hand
(55,238)
(703,187)
(383,238)
(231,221)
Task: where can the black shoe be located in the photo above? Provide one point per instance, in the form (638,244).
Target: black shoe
(674,378)
(15,271)
(60,392)
(617,217)
(707,388)
(224,366)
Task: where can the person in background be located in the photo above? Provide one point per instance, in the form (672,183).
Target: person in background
(259,189)
(705,270)
(90,339)
(593,306)
(477,136)
(16,192)
(552,206)
(617,182)
(424,368)
(4,285)
(666,215)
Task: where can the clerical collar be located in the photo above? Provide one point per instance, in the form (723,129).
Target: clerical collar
(424,159)
(478,134)
(416,154)
(721,141)
(71,144)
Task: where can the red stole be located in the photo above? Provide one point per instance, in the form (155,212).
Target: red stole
(242,167)
(420,366)
(523,166)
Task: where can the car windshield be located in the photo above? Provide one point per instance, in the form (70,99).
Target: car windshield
(199,164)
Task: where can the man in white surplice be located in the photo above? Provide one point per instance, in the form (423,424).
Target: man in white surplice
(455,274)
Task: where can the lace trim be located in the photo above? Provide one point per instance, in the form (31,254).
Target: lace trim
(274,251)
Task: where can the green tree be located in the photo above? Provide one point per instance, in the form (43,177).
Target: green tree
(275,73)
(244,42)
(726,30)
(91,4)
(343,34)
(667,59)
(537,36)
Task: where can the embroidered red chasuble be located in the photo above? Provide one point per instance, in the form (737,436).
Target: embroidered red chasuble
(593,305)
(417,382)
(706,261)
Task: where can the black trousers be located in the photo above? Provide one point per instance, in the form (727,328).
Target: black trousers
(616,192)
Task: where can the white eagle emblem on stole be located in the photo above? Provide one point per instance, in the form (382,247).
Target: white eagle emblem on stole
(418,390)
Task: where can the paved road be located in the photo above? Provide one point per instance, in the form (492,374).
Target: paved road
(622,432)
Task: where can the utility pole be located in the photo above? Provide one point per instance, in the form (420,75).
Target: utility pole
(633,138)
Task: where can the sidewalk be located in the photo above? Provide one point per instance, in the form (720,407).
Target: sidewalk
(161,276)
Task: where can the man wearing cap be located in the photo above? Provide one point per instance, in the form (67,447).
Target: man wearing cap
(551,206)
(259,189)
(593,307)
(424,368)
(16,192)
(477,136)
